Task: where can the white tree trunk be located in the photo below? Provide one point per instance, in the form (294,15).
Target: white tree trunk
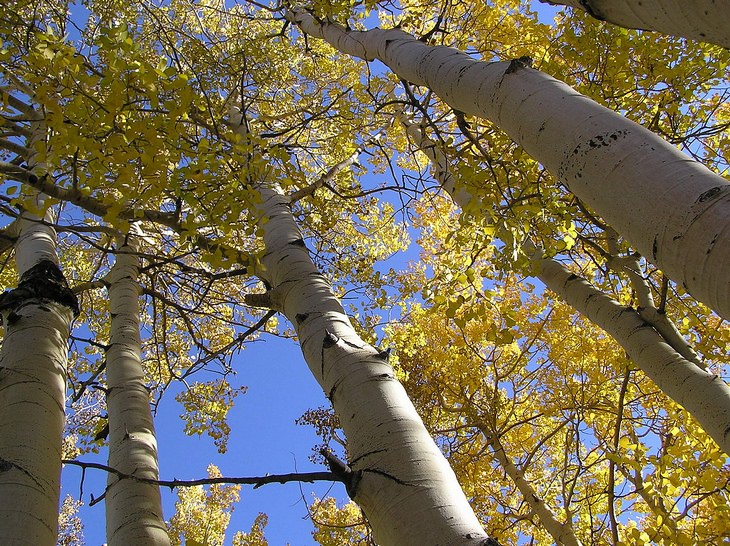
(399,477)
(133,509)
(37,317)
(703,20)
(703,394)
(673,210)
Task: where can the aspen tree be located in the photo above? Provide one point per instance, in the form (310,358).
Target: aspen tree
(37,318)
(133,509)
(672,209)
(396,473)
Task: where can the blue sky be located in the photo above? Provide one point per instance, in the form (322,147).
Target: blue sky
(264,439)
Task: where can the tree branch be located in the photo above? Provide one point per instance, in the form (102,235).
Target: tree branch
(256,481)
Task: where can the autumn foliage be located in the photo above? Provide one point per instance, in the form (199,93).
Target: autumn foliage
(159,121)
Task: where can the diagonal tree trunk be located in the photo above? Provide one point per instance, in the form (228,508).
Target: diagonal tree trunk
(703,20)
(396,473)
(673,210)
(37,318)
(133,509)
(703,394)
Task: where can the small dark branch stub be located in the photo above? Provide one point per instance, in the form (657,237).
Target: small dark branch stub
(516,64)
(330,340)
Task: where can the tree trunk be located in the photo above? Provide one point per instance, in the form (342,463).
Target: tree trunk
(562,533)
(37,317)
(703,394)
(703,20)
(397,474)
(133,509)
(673,210)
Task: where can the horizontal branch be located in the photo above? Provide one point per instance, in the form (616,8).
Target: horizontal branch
(46,185)
(14,147)
(256,481)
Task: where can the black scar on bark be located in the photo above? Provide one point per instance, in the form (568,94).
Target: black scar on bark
(43,282)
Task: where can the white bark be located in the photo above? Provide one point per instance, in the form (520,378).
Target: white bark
(33,362)
(400,478)
(133,509)
(673,210)
(703,20)
(37,318)
(649,312)
(704,395)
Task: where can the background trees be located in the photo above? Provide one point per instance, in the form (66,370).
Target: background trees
(551,430)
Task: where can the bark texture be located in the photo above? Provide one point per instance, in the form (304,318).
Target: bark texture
(703,20)
(37,317)
(673,210)
(398,475)
(133,509)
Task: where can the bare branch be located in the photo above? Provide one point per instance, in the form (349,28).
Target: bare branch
(256,481)
(14,147)
(326,178)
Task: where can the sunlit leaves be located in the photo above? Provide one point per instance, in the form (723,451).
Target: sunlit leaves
(70,527)
(553,396)
(335,525)
(206,408)
(256,536)
(202,514)
(137,107)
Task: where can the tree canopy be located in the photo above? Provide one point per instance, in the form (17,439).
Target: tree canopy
(533,244)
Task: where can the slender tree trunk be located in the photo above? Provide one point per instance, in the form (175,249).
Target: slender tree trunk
(703,20)
(673,210)
(398,476)
(703,394)
(133,509)
(396,473)
(37,318)
(562,533)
